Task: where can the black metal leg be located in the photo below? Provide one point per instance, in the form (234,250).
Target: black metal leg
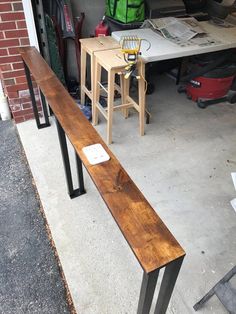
(179,72)
(66,162)
(80,174)
(167,286)
(34,104)
(147,292)
(45,109)
(50,111)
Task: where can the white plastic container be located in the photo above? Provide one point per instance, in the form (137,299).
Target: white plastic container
(4,108)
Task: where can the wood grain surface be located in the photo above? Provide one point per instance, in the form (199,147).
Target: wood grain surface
(149,238)
(99,43)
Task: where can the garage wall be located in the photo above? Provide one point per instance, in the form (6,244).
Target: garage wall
(94,11)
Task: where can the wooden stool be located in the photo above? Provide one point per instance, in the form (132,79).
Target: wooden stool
(113,62)
(89,46)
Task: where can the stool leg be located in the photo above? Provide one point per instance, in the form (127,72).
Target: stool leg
(141,92)
(124,93)
(110,103)
(96,91)
(92,76)
(83,63)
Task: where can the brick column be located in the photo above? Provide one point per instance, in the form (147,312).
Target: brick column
(14,34)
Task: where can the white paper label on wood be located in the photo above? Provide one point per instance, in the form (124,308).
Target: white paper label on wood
(95,154)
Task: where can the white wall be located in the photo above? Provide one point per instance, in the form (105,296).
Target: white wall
(29,17)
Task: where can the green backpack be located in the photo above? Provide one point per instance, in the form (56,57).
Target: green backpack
(125,11)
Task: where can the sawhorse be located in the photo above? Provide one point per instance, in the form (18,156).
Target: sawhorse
(224,291)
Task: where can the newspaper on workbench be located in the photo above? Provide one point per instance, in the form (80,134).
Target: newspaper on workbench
(171,28)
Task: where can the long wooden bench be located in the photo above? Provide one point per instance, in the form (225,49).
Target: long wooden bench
(147,235)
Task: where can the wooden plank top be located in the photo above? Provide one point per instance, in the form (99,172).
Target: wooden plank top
(111,59)
(99,43)
(147,235)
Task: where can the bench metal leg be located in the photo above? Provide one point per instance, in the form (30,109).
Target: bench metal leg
(167,285)
(45,109)
(147,292)
(66,162)
(34,104)
(80,174)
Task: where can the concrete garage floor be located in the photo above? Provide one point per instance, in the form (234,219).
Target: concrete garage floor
(182,165)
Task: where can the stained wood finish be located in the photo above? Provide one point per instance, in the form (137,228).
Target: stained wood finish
(147,235)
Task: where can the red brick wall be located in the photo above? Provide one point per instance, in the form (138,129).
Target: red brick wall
(13,34)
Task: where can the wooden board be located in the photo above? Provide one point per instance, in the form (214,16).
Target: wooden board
(99,43)
(147,235)
(111,59)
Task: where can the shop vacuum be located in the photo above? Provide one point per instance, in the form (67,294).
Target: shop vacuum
(211,78)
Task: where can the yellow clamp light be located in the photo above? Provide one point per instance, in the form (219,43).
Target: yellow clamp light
(130,44)
(130,47)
